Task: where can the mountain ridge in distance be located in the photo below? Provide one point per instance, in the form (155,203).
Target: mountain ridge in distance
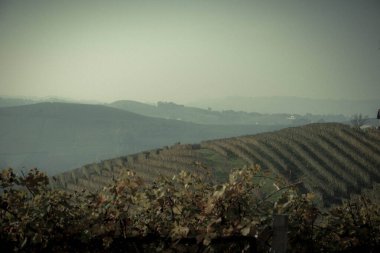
(248,105)
(10,101)
(296,105)
(170,110)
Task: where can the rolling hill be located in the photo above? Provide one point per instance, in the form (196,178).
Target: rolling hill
(17,101)
(332,160)
(61,136)
(296,105)
(168,110)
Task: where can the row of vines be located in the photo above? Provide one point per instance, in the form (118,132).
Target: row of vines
(166,161)
(187,212)
(332,160)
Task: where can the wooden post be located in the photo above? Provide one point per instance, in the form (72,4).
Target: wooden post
(280,236)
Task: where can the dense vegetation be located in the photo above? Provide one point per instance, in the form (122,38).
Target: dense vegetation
(189,198)
(332,160)
(185,213)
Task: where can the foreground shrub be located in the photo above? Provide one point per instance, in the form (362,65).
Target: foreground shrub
(185,213)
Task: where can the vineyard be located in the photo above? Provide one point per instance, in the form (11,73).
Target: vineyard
(182,213)
(207,197)
(334,161)
(166,161)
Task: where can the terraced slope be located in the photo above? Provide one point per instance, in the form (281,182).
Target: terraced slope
(148,165)
(332,160)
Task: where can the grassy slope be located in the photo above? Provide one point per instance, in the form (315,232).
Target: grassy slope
(333,160)
(60,136)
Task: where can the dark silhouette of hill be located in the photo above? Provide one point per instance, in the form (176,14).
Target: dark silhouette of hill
(333,160)
(247,115)
(17,101)
(62,136)
(8,102)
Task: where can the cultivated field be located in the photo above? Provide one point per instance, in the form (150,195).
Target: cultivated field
(334,161)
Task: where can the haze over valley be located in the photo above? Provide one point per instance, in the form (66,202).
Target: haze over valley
(85,81)
(56,137)
(61,135)
(190,126)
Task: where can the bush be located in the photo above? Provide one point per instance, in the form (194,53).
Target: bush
(187,212)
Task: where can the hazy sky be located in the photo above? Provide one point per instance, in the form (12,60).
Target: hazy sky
(187,50)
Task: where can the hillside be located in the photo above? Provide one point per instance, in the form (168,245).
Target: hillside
(296,105)
(333,160)
(255,113)
(8,102)
(168,110)
(60,136)
(17,101)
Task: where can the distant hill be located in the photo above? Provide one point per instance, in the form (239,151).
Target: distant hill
(9,102)
(332,160)
(220,114)
(62,136)
(17,101)
(296,105)
(170,110)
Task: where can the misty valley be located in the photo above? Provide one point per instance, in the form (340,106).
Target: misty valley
(143,177)
(189,126)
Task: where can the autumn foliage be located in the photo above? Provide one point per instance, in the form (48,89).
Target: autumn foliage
(185,213)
